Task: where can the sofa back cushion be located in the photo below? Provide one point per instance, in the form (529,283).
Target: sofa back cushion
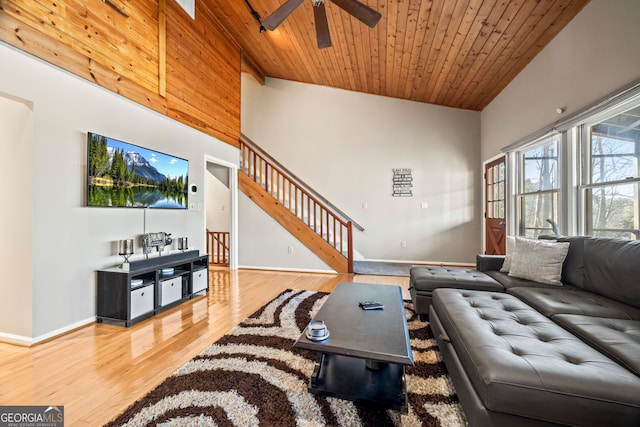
(612,269)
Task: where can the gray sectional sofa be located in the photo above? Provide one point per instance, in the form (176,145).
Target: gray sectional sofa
(532,354)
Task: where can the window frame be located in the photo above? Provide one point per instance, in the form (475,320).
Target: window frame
(573,133)
(585,184)
(521,194)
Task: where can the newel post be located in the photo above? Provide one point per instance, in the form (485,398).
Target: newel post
(350,247)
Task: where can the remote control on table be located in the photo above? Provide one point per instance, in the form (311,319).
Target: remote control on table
(371,305)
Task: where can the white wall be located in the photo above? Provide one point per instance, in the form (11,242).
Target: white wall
(16,174)
(596,54)
(69,240)
(218,204)
(267,245)
(345,145)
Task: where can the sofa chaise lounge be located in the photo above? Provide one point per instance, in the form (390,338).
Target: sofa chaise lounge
(533,354)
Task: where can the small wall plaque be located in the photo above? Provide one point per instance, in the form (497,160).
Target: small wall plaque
(402,182)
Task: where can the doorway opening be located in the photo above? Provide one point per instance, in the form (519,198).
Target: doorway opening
(221,195)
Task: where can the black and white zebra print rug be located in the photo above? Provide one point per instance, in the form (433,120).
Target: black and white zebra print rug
(252,377)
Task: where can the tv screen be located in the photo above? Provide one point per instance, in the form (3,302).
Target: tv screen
(125,175)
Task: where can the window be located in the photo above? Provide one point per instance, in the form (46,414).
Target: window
(538,188)
(581,172)
(189,6)
(495,191)
(611,179)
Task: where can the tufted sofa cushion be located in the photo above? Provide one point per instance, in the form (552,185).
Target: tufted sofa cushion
(561,301)
(513,282)
(617,338)
(424,280)
(430,278)
(522,363)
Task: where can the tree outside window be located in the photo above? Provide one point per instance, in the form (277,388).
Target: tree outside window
(612,182)
(539,184)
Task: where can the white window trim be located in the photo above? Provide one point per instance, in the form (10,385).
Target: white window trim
(514,214)
(585,157)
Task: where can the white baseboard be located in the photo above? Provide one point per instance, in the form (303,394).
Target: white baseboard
(15,339)
(422,262)
(29,341)
(293,270)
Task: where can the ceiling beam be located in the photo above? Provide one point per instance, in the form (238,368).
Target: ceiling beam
(249,66)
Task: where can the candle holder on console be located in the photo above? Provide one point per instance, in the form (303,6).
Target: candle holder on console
(125,250)
(183,244)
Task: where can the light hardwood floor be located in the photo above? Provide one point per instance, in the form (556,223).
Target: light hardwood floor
(95,372)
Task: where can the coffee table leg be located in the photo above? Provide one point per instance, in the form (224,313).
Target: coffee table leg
(405,396)
(374,365)
(315,376)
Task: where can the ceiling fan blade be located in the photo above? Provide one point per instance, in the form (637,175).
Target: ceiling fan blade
(322,26)
(280,14)
(360,11)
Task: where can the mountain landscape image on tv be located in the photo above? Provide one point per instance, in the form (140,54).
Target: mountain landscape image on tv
(126,175)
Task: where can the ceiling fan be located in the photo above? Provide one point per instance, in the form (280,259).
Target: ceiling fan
(358,10)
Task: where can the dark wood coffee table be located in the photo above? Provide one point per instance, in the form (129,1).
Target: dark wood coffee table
(366,352)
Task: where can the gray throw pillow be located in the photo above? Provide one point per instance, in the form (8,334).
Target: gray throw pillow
(538,260)
(510,248)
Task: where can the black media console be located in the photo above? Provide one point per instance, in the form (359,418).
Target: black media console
(150,286)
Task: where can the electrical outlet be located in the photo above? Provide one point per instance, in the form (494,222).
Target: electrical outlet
(290,249)
(403,243)
(365,205)
(424,205)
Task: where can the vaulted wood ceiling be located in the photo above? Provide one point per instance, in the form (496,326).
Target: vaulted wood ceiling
(457,53)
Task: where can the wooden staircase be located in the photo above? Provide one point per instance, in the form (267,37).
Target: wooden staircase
(320,228)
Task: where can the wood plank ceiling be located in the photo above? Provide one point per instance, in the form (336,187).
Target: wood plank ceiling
(456,53)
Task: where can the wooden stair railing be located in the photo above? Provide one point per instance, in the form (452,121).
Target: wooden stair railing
(218,247)
(335,232)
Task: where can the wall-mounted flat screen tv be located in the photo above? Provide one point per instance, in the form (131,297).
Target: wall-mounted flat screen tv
(126,175)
